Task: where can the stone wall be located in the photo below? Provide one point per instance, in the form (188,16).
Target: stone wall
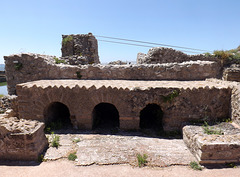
(195,101)
(168,55)
(21,139)
(235,98)
(84,46)
(30,67)
(235,103)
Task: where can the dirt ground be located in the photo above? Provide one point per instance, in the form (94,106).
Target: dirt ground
(68,169)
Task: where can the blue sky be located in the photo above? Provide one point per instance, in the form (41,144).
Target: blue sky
(37,26)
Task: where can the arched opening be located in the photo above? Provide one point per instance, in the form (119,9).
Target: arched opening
(105,116)
(151,117)
(57,116)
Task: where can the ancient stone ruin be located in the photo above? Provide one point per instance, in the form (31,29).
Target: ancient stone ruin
(165,91)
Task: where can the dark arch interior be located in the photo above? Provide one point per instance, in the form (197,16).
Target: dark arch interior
(151,117)
(105,116)
(57,116)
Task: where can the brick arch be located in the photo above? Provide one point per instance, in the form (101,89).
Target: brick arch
(57,113)
(105,116)
(151,117)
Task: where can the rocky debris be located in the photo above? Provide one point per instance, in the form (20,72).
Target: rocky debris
(16,125)
(75,60)
(118,62)
(168,55)
(7,102)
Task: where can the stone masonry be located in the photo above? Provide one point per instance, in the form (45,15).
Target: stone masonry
(167,55)
(196,100)
(81,47)
(214,149)
(36,67)
(21,139)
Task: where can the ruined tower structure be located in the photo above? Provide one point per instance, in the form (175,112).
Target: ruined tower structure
(80,49)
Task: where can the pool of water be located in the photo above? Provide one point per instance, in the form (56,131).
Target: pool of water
(3,90)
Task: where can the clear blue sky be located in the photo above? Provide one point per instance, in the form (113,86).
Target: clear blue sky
(36,26)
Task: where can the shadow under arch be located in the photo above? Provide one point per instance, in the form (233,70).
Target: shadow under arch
(105,116)
(151,117)
(57,116)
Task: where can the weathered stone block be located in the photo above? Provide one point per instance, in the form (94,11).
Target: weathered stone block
(22,140)
(213,149)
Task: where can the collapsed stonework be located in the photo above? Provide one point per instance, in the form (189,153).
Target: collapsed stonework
(166,90)
(167,55)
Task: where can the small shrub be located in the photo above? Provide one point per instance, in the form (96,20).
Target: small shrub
(142,159)
(58,61)
(72,156)
(55,140)
(195,166)
(18,66)
(53,126)
(231,165)
(221,54)
(228,120)
(171,96)
(67,40)
(41,158)
(79,76)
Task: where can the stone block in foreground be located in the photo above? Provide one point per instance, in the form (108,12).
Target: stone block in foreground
(213,149)
(21,139)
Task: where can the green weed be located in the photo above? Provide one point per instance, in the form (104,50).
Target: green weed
(195,166)
(18,66)
(210,131)
(72,156)
(171,96)
(142,159)
(76,140)
(55,140)
(58,61)
(79,76)
(67,40)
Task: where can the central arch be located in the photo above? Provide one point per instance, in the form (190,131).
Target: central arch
(57,116)
(151,117)
(105,116)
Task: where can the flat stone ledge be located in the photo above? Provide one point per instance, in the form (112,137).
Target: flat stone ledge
(124,84)
(213,149)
